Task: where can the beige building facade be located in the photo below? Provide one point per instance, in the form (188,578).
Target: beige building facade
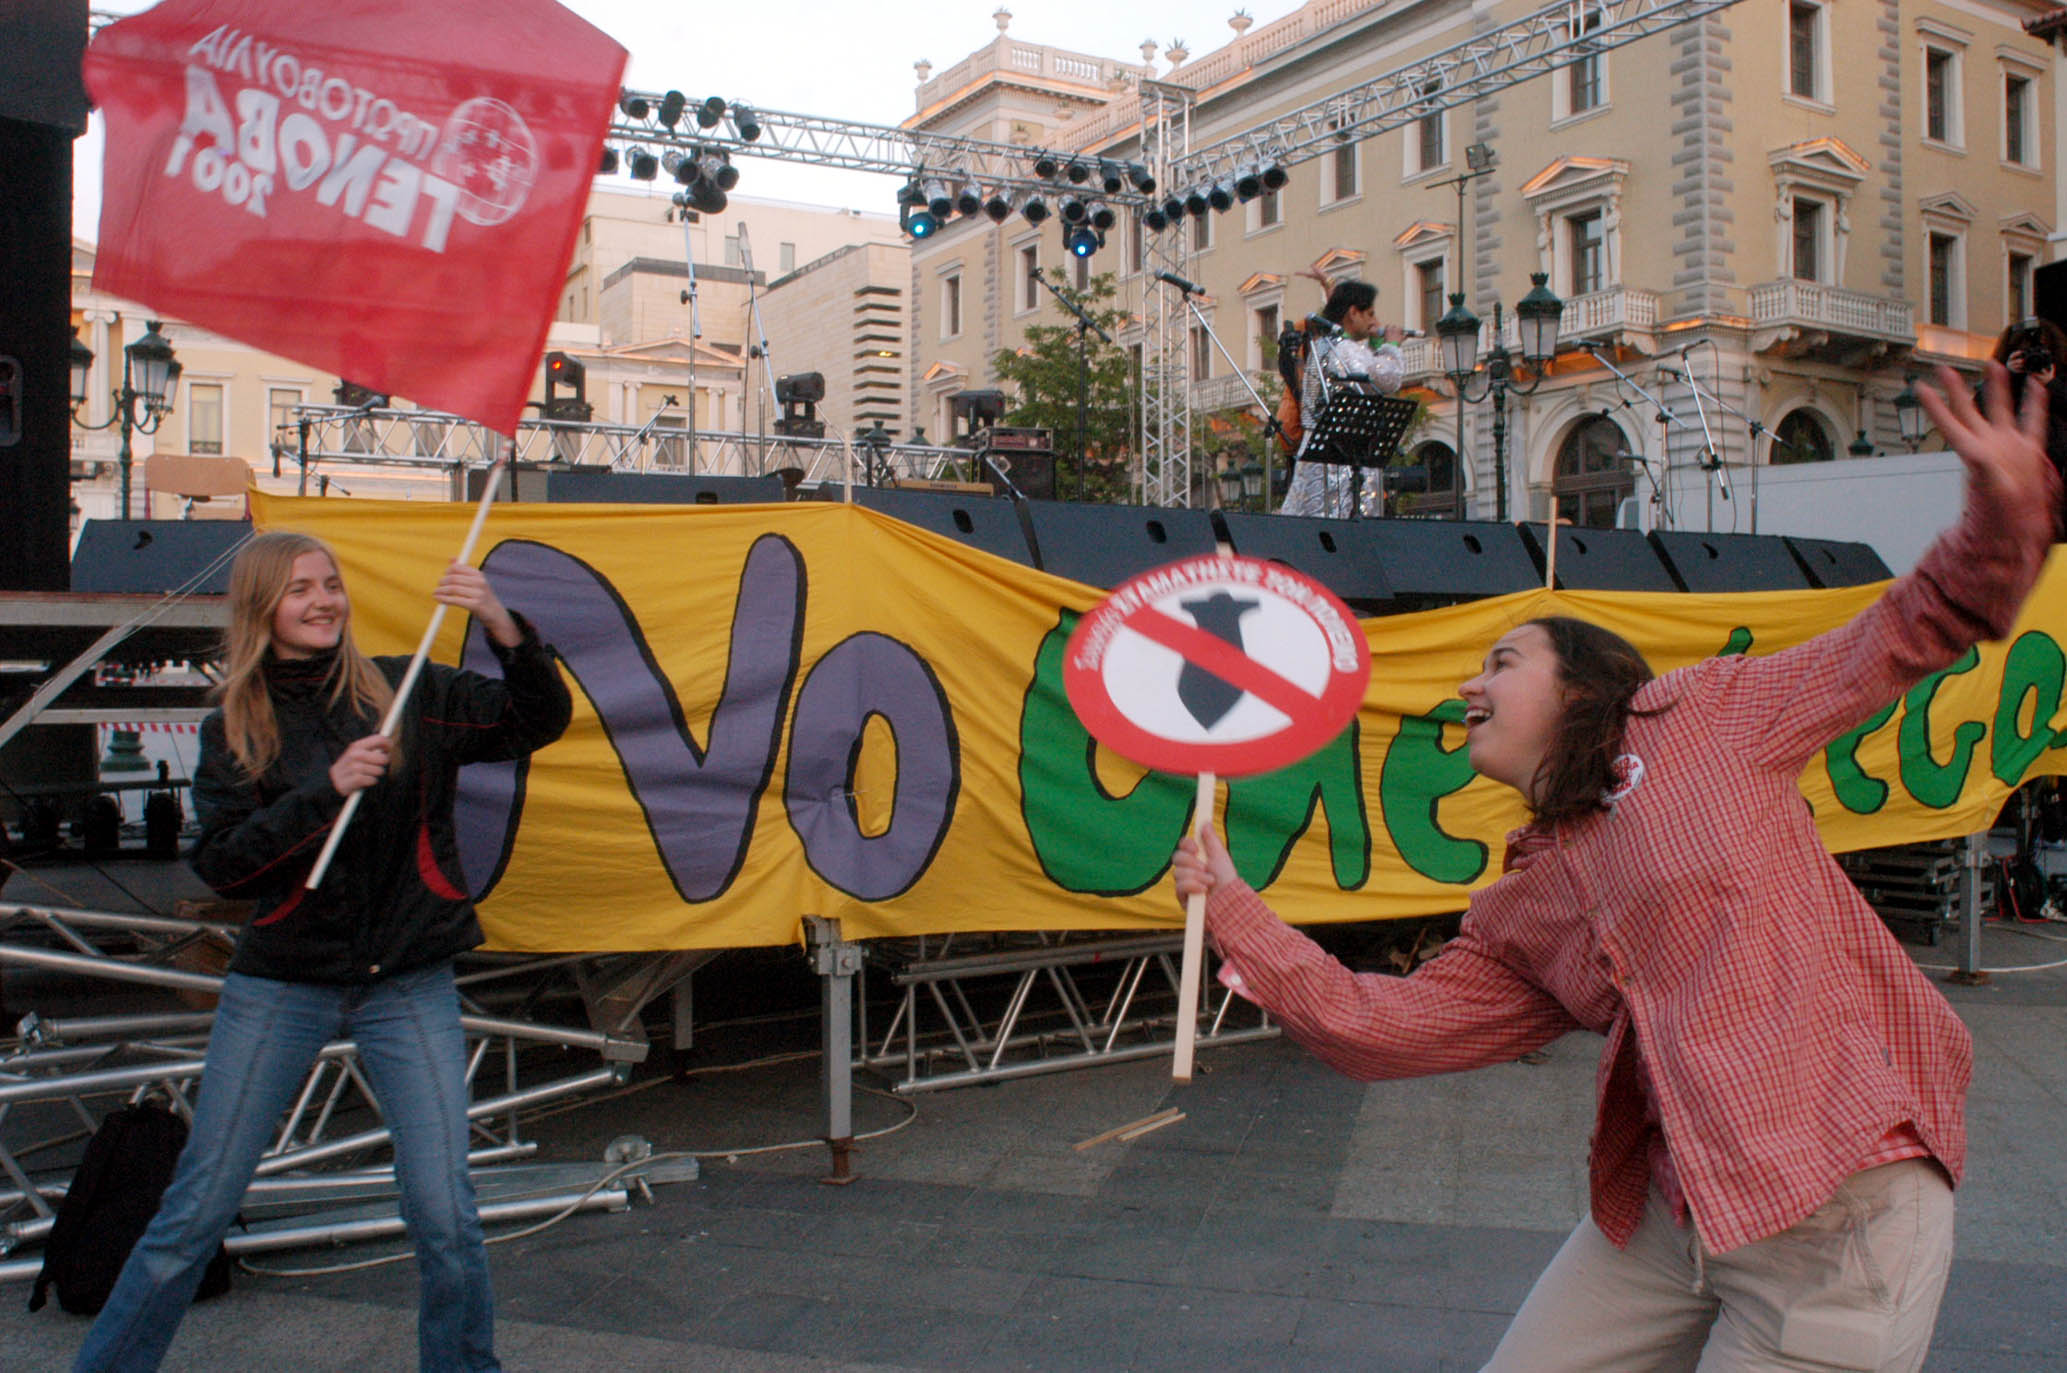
(1781,211)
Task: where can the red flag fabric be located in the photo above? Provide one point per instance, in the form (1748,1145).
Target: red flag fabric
(385,189)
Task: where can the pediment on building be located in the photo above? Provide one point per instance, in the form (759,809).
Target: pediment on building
(1260,282)
(1425,231)
(1572,174)
(1340,262)
(2024,224)
(942,373)
(670,351)
(1949,205)
(1826,162)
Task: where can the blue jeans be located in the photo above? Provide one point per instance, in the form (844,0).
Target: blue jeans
(266,1034)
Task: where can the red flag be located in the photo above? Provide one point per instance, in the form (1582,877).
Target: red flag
(385,189)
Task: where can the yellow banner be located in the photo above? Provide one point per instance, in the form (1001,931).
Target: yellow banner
(814,709)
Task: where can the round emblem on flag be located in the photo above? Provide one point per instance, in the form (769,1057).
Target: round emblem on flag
(1214,664)
(488,152)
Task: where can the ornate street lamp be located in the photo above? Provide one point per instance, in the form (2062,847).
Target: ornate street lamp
(1537,314)
(150,374)
(1909,415)
(1229,478)
(1252,485)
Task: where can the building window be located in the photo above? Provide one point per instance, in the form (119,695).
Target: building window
(1137,244)
(1442,500)
(1428,133)
(281,425)
(786,255)
(1029,280)
(1270,210)
(951,306)
(1944,280)
(1201,354)
(1940,95)
(204,418)
(1584,87)
(1592,477)
(1808,239)
(1587,244)
(1428,294)
(1202,232)
(1805,45)
(2018,296)
(1801,437)
(2017,140)
(735,255)
(1264,323)
(1342,171)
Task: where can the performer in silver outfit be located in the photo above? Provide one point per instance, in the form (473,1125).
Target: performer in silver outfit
(1344,356)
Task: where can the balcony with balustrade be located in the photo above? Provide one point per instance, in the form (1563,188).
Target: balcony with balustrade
(1828,323)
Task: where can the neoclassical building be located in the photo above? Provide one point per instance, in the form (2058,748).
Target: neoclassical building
(1780,212)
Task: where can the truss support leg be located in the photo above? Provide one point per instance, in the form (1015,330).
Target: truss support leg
(836,961)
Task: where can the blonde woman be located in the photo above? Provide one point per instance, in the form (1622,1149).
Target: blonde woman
(367,956)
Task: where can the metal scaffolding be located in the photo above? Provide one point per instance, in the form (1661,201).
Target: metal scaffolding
(1165,477)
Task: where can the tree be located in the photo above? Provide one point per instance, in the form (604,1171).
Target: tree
(1044,375)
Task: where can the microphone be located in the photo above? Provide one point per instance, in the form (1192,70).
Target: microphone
(1189,288)
(1035,272)
(1712,460)
(1413,333)
(1320,326)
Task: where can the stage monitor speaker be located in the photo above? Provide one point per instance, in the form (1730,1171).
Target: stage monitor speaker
(524,483)
(153,557)
(1432,563)
(662,488)
(1833,562)
(1103,545)
(1600,559)
(1729,562)
(1033,473)
(1345,556)
(979,521)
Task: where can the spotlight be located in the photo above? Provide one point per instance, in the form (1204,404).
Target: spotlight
(682,169)
(1082,240)
(1035,209)
(1221,196)
(1111,176)
(1102,217)
(1074,209)
(1275,176)
(718,170)
(707,197)
(1248,185)
(998,207)
(938,200)
(968,200)
(912,214)
(1155,221)
(671,106)
(1045,166)
(1143,182)
(608,163)
(744,123)
(1077,172)
(710,112)
(1173,208)
(644,165)
(632,105)
(1195,203)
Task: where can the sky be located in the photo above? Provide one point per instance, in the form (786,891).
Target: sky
(841,61)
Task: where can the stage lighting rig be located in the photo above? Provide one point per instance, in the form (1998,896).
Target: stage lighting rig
(710,112)
(998,207)
(1035,208)
(1046,165)
(632,106)
(1173,208)
(607,164)
(1275,176)
(1075,209)
(744,123)
(1154,220)
(717,169)
(1195,202)
(1082,240)
(1102,217)
(968,200)
(1221,195)
(913,216)
(1077,172)
(1111,176)
(937,199)
(1139,175)
(671,106)
(1248,184)
(643,165)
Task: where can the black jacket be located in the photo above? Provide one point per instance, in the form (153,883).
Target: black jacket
(394,897)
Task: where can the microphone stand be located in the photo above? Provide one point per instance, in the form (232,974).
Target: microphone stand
(667,403)
(1084,326)
(1694,386)
(759,350)
(1271,427)
(695,331)
(1665,416)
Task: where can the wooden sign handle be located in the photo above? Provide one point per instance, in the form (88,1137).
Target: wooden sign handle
(1194,951)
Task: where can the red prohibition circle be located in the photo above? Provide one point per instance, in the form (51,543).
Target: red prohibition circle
(1159,737)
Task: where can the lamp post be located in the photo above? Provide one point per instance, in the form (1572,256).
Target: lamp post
(150,373)
(1537,313)
(1909,415)
(1229,478)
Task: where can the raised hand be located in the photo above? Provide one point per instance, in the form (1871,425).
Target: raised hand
(467,588)
(2004,453)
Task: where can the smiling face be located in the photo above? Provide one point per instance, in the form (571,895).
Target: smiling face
(1511,709)
(311,615)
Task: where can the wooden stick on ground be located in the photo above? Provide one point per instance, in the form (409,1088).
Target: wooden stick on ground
(1168,1115)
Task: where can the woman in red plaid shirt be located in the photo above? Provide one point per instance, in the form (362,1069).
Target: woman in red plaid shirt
(1781,1097)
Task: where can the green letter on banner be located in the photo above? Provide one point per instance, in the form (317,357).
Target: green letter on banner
(1856,792)
(1419,772)
(2034,666)
(1932,783)
(1267,814)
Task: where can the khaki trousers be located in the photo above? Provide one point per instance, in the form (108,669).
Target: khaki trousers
(1854,1286)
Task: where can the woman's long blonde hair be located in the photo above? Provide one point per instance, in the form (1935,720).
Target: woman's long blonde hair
(258,583)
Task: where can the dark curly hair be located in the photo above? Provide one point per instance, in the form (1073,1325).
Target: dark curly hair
(1600,672)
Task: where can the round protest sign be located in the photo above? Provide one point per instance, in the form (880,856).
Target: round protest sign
(1216,664)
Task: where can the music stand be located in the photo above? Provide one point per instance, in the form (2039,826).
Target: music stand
(1359,430)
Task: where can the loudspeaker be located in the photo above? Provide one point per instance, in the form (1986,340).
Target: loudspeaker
(1343,555)
(1831,562)
(979,521)
(1600,559)
(1032,472)
(40,81)
(662,488)
(1431,563)
(1729,562)
(155,556)
(2049,293)
(1103,545)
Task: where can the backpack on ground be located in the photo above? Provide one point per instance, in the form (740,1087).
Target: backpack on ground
(111,1199)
